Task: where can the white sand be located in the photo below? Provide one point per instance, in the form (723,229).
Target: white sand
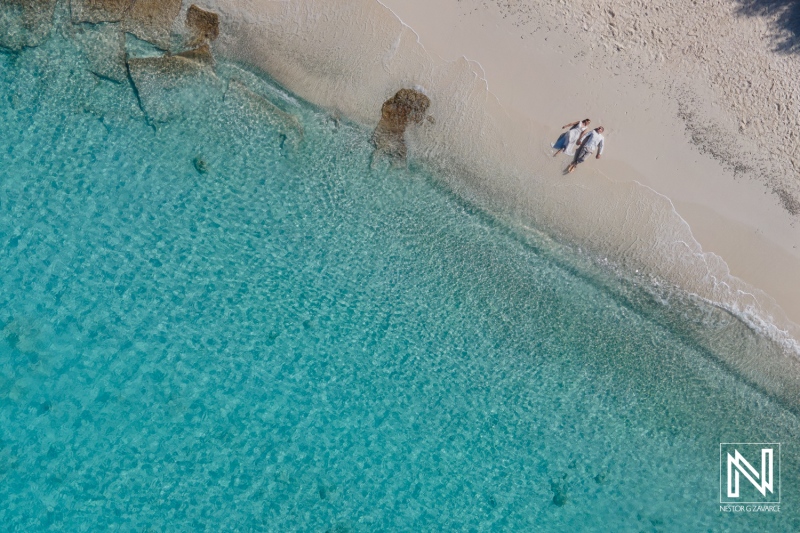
(558,62)
(686,190)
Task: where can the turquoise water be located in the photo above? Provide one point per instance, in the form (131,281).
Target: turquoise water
(206,327)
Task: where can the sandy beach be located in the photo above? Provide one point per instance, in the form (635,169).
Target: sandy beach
(696,189)
(708,119)
(696,122)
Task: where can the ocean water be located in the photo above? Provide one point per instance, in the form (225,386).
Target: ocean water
(209,321)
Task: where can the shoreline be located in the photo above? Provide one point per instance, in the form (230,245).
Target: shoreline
(495,121)
(733,216)
(223,307)
(480,52)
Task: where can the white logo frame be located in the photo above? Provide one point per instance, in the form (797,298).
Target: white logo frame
(724,467)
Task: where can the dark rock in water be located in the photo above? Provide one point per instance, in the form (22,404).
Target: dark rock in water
(560,498)
(151,20)
(200,165)
(96,11)
(171,87)
(559,488)
(252,106)
(406,107)
(104,47)
(25,23)
(204,26)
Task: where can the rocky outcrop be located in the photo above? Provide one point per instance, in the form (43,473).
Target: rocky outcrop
(202,25)
(104,48)
(407,106)
(256,108)
(172,87)
(167,71)
(25,23)
(96,11)
(151,20)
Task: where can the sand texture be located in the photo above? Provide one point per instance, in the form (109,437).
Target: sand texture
(748,64)
(682,201)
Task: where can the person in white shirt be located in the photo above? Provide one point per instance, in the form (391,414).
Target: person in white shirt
(569,139)
(593,141)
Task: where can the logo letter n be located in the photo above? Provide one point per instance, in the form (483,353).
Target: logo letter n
(738,464)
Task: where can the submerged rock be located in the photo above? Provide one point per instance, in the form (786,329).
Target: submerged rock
(135,47)
(166,71)
(200,165)
(248,104)
(559,488)
(151,20)
(407,106)
(104,48)
(96,11)
(171,87)
(25,23)
(203,25)
(201,54)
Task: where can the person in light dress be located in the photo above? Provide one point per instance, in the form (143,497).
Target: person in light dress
(570,138)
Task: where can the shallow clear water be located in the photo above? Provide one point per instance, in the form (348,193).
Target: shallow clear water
(286,340)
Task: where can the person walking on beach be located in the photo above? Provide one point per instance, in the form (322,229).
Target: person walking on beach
(569,139)
(593,141)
